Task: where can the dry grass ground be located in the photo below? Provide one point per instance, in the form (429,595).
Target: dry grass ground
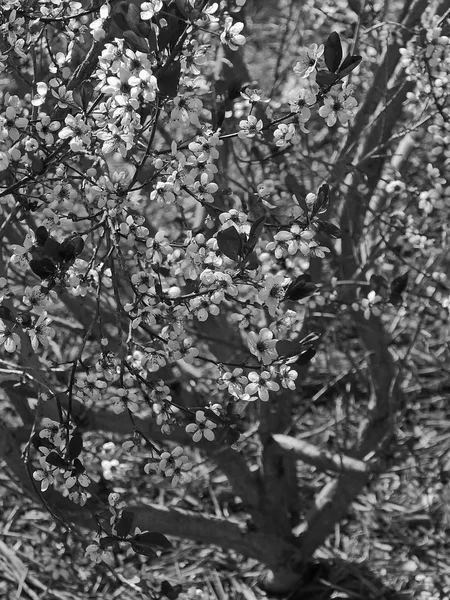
(394,544)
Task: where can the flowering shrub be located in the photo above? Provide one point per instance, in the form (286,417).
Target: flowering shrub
(168,266)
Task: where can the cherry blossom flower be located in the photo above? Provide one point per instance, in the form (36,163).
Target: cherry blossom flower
(301,102)
(231,35)
(262,345)
(250,127)
(339,107)
(45,128)
(41,332)
(125,400)
(77,130)
(150,9)
(9,339)
(202,307)
(272,292)
(173,464)
(235,383)
(10,124)
(284,134)
(90,387)
(308,58)
(261,384)
(288,377)
(202,428)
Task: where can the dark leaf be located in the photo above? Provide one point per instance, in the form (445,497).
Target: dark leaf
(51,248)
(109,542)
(78,466)
(70,249)
(230,243)
(82,94)
(170,591)
(6,314)
(395,299)
(66,251)
(252,261)
(56,460)
(333,52)
(325,80)
(144,550)
(171,27)
(135,41)
(379,285)
(24,319)
(301,287)
(152,39)
(37,165)
(329,228)
(41,235)
(294,187)
(322,201)
(305,357)
(399,284)
(350,63)
(75,446)
(120,20)
(253,236)
(78,245)
(169,79)
(43,267)
(125,523)
(39,442)
(232,436)
(152,538)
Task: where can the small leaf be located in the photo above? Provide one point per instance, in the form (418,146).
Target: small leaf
(231,435)
(43,268)
(399,283)
(41,235)
(78,466)
(125,523)
(136,42)
(325,80)
(78,245)
(82,94)
(144,550)
(305,357)
(66,251)
(39,442)
(171,27)
(322,201)
(109,542)
(170,591)
(379,285)
(6,314)
(333,52)
(294,187)
(152,538)
(329,228)
(51,248)
(24,319)
(300,288)
(169,79)
(56,460)
(75,446)
(395,299)
(350,63)
(37,165)
(230,243)
(253,236)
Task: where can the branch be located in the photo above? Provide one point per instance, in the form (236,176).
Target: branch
(322,459)
(225,533)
